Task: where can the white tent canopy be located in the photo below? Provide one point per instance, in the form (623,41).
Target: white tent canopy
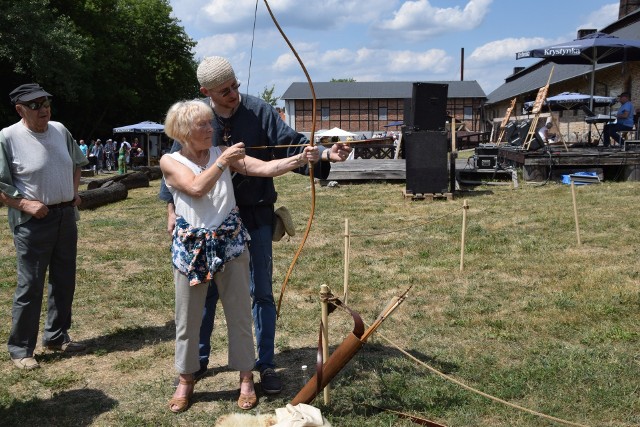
(142,127)
(147,128)
(335,132)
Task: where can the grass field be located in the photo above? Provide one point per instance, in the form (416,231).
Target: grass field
(533,319)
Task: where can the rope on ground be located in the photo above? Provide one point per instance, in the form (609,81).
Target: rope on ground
(481,393)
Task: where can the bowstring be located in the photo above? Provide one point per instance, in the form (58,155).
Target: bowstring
(253,37)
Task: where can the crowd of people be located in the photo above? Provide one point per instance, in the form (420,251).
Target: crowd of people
(220,196)
(111,156)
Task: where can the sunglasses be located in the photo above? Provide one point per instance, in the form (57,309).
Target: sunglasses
(234,87)
(37,105)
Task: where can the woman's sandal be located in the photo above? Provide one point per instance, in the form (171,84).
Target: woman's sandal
(180,404)
(247,401)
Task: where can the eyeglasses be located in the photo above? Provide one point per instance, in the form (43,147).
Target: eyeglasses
(226,92)
(37,105)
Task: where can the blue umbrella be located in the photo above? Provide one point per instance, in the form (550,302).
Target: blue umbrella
(592,49)
(572,101)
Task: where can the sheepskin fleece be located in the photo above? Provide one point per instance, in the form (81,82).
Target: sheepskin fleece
(246,420)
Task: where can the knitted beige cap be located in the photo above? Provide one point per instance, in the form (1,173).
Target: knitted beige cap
(213,71)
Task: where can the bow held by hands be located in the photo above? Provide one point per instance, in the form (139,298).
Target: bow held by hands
(311,154)
(339,152)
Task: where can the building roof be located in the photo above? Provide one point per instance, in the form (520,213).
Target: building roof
(532,78)
(377,90)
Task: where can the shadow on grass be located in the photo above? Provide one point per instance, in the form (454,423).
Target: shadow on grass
(68,408)
(372,357)
(466,192)
(123,339)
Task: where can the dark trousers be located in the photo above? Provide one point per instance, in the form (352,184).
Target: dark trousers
(611,131)
(41,244)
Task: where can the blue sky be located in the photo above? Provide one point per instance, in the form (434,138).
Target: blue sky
(383,40)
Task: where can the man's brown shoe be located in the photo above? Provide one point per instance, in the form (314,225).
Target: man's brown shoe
(26,363)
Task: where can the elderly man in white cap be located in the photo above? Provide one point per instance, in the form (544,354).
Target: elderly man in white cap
(40,167)
(253,121)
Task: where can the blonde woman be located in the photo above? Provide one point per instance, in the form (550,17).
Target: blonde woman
(210,241)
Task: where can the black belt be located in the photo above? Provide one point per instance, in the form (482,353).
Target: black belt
(60,205)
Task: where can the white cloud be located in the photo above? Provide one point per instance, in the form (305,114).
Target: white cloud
(505,49)
(601,17)
(219,45)
(418,20)
(285,62)
(228,11)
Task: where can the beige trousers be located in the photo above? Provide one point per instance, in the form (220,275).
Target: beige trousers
(233,289)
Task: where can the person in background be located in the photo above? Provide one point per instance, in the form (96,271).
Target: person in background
(199,179)
(109,150)
(127,156)
(83,147)
(544,133)
(123,154)
(40,168)
(253,121)
(624,121)
(98,153)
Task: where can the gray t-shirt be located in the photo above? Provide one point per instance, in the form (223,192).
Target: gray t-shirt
(38,166)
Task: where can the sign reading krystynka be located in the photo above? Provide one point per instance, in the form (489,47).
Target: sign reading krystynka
(549,52)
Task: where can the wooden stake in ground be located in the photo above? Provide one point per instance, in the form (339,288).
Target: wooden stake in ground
(575,211)
(347,246)
(324,294)
(465,208)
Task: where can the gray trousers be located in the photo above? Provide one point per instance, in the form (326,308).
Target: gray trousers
(233,287)
(48,243)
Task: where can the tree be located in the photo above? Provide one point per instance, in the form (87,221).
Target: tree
(107,62)
(347,80)
(39,45)
(267,96)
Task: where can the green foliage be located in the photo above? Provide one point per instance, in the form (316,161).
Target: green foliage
(345,80)
(107,62)
(267,96)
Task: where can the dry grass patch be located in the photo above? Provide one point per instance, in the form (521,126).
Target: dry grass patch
(533,318)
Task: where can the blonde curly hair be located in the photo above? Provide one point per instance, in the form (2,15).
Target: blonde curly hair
(181,117)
